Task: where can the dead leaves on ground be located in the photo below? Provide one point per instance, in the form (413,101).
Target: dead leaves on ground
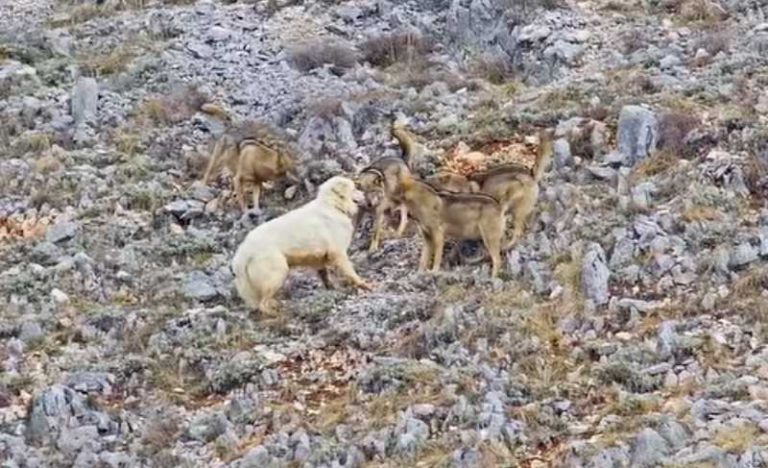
(23,228)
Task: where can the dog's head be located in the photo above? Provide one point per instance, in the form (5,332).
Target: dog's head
(341,193)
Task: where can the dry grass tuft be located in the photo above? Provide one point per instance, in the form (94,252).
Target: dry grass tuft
(172,109)
(736,439)
(659,163)
(127,142)
(325,108)
(161,432)
(493,68)
(699,213)
(115,61)
(33,141)
(752,282)
(673,128)
(715,42)
(407,46)
(316,53)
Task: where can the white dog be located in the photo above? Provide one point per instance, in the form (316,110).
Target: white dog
(315,235)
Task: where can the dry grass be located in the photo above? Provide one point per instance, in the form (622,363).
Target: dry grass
(33,141)
(493,68)
(715,42)
(407,46)
(659,163)
(673,128)
(699,213)
(127,142)
(325,107)
(79,14)
(160,433)
(316,53)
(752,282)
(171,109)
(114,61)
(736,439)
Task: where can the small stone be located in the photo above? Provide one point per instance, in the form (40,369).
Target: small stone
(423,410)
(670,380)
(208,427)
(595,275)
(59,296)
(670,61)
(648,449)
(198,286)
(74,439)
(61,232)
(219,34)
(743,254)
(30,331)
(200,50)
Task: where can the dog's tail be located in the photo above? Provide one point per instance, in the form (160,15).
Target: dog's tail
(544,154)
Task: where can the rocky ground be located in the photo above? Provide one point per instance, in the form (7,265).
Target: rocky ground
(629,325)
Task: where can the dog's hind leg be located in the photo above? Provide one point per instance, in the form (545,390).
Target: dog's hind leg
(267,277)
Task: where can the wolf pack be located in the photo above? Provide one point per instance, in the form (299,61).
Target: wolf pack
(317,235)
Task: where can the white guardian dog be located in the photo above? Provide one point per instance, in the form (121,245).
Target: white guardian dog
(315,235)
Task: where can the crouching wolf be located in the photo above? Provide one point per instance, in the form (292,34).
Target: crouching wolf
(315,235)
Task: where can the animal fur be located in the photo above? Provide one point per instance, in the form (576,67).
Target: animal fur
(516,187)
(315,235)
(380,183)
(462,216)
(414,153)
(254,154)
(452,182)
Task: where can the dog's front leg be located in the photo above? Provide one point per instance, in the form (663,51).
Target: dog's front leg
(341,261)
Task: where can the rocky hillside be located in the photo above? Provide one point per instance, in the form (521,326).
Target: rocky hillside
(628,328)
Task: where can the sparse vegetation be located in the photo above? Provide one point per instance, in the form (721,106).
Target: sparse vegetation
(170,109)
(674,127)
(736,439)
(114,61)
(406,46)
(316,53)
(493,68)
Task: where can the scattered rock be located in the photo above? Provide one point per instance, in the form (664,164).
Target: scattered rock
(637,133)
(595,275)
(85,101)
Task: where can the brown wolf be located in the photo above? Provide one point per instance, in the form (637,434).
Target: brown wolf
(462,216)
